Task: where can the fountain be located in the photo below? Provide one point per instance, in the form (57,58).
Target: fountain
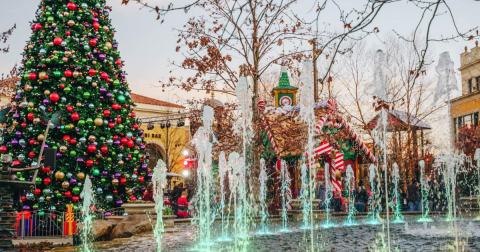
(285,189)
(395,202)
(88,200)
(263,178)
(159,182)
(223,170)
(373,201)
(203,142)
(477,158)
(328,197)
(351,199)
(425,191)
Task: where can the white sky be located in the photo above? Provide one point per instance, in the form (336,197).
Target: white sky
(147,46)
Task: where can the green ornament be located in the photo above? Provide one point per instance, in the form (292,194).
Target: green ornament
(41,213)
(121,98)
(59,195)
(96,172)
(73,153)
(67,89)
(75,208)
(57,74)
(116,82)
(50,19)
(38,181)
(86,95)
(89,121)
(67,127)
(76,190)
(103,180)
(81,123)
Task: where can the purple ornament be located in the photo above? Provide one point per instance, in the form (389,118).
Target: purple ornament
(115,45)
(59,155)
(105,173)
(15,142)
(16,116)
(144,166)
(46,102)
(58,127)
(18,134)
(109,95)
(80,160)
(117,142)
(123,75)
(73,181)
(101,97)
(103,90)
(140,132)
(108,213)
(101,57)
(119,202)
(26,208)
(149,175)
(18,96)
(118,175)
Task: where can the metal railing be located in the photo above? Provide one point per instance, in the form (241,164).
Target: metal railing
(41,224)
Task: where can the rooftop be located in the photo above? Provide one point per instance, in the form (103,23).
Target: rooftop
(136,98)
(400,118)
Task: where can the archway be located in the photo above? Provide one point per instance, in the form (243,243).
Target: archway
(156,151)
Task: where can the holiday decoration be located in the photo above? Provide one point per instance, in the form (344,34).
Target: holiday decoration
(72,80)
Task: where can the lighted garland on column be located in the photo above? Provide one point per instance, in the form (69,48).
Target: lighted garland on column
(72,63)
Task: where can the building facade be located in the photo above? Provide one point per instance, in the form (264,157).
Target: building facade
(465,109)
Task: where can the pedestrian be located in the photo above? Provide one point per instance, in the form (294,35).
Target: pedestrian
(338,202)
(176,194)
(182,205)
(413,196)
(432,196)
(148,196)
(321,191)
(361,197)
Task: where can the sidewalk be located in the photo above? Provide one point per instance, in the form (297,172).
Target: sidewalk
(54,240)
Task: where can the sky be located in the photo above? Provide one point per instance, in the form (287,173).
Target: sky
(148,47)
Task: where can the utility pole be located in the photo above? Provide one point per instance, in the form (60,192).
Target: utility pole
(313,42)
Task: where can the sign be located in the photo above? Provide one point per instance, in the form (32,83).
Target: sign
(152,135)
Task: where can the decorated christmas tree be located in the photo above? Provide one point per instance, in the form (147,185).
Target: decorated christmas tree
(72,64)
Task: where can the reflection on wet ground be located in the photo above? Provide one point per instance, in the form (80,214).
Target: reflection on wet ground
(412,236)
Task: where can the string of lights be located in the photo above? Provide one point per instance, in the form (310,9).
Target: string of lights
(165,121)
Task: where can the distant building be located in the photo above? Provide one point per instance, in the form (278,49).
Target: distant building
(465,109)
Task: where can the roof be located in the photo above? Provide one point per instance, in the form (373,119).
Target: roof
(7,86)
(136,98)
(400,118)
(284,82)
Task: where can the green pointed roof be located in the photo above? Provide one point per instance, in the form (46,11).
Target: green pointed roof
(284,82)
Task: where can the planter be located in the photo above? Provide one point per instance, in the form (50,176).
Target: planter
(139,208)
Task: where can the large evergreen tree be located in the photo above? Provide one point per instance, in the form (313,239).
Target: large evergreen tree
(72,63)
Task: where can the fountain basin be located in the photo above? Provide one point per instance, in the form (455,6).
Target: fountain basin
(139,208)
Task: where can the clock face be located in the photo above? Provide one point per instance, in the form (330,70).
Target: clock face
(285,101)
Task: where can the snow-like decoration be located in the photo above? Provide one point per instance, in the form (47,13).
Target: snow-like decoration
(307,99)
(244,126)
(446,76)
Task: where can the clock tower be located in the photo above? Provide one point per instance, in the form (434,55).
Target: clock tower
(285,94)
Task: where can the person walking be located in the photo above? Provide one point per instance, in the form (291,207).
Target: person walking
(413,196)
(182,203)
(361,197)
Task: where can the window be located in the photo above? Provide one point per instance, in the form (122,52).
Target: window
(478,82)
(455,129)
(470,86)
(475,117)
(467,120)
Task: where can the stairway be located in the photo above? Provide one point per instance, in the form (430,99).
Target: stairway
(7,218)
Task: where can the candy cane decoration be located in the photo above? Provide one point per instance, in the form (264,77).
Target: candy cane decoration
(357,139)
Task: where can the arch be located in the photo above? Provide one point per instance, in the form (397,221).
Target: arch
(157,151)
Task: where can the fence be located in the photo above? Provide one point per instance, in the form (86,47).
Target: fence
(55,223)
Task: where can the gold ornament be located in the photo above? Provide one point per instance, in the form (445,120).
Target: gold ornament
(98,121)
(15,123)
(30,46)
(92,138)
(121,162)
(28,88)
(63,79)
(129,191)
(48,198)
(63,149)
(64,59)
(108,45)
(46,92)
(71,126)
(75,74)
(54,25)
(41,136)
(105,28)
(50,43)
(30,104)
(65,184)
(59,175)
(94,62)
(81,175)
(25,48)
(78,104)
(70,22)
(36,120)
(338,175)
(99,155)
(94,84)
(115,182)
(68,53)
(41,75)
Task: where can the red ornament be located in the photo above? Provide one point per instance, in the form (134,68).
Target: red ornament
(104,75)
(30,116)
(66,138)
(57,41)
(38,191)
(46,169)
(54,97)
(123,181)
(132,114)
(3,149)
(75,116)
(133,198)
(96,25)
(106,112)
(91,148)
(62,86)
(68,33)
(75,198)
(141,179)
(93,42)
(119,119)
(31,154)
(104,149)
(32,76)
(130,143)
(115,137)
(68,73)
(89,163)
(16,162)
(23,198)
(115,191)
(38,27)
(31,142)
(92,72)
(68,194)
(124,140)
(71,6)
(46,181)
(69,108)
(24,124)
(111,125)
(73,141)
(135,126)
(118,61)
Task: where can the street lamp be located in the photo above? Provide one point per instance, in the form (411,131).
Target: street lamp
(185,173)
(185,153)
